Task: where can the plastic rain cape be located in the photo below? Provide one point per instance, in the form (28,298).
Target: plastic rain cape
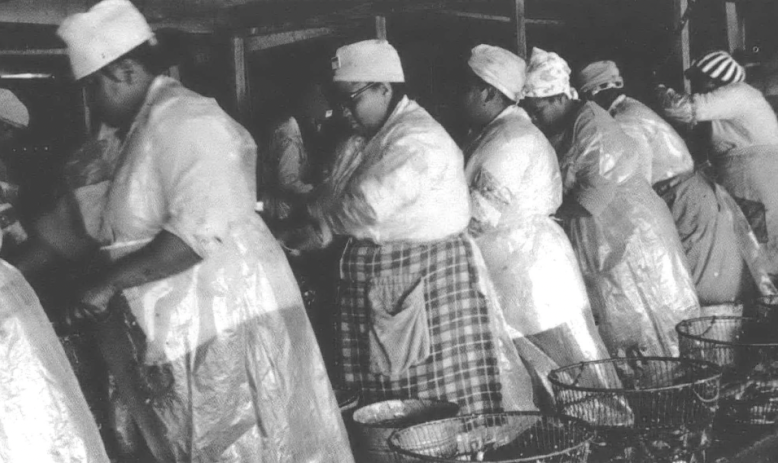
(629,251)
(515,187)
(43,415)
(716,236)
(341,200)
(229,355)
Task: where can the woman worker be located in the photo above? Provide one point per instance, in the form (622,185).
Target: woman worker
(416,319)
(725,260)
(622,233)
(515,187)
(743,139)
(229,369)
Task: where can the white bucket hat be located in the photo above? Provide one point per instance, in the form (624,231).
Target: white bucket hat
(107,31)
(367,61)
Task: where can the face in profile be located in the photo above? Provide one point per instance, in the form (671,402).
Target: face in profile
(364,104)
(545,112)
(701,83)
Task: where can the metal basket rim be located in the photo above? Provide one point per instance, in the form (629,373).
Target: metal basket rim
(379,426)
(587,428)
(350,395)
(718,371)
(721,343)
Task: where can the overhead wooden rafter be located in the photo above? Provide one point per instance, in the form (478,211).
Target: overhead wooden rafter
(262,42)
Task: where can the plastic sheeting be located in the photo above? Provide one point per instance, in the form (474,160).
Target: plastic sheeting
(749,176)
(404,185)
(515,187)
(726,261)
(412,150)
(43,415)
(232,365)
(718,244)
(662,152)
(629,252)
(744,144)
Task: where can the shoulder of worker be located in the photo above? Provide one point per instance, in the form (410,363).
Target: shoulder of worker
(636,114)
(513,131)
(288,127)
(412,127)
(633,108)
(738,93)
(594,126)
(173,108)
(591,117)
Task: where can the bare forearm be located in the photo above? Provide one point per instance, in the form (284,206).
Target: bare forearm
(165,256)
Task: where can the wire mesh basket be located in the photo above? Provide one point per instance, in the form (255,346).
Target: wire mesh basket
(347,400)
(373,424)
(510,437)
(747,351)
(643,409)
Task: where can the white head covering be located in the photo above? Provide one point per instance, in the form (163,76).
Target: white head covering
(107,31)
(13,111)
(599,76)
(367,61)
(720,66)
(499,68)
(548,75)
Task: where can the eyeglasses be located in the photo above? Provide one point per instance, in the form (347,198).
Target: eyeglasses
(350,100)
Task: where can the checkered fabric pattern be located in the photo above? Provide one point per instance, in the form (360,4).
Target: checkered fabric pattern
(462,367)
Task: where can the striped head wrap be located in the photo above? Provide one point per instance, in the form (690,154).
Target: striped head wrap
(719,66)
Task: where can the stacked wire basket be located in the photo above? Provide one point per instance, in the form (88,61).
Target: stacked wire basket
(637,410)
(515,437)
(643,409)
(746,348)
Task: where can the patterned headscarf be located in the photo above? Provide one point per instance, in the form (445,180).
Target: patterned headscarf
(548,75)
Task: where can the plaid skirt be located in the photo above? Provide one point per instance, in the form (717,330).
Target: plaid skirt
(462,364)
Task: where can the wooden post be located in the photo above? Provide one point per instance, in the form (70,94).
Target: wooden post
(380,27)
(683,53)
(88,122)
(240,82)
(520,26)
(736,27)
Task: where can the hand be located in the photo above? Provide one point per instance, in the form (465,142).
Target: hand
(93,304)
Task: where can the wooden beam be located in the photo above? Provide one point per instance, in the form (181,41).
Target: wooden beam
(470,15)
(263,42)
(683,53)
(502,19)
(736,27)
(380,27)
(520,28)
(34,52)
(240,79)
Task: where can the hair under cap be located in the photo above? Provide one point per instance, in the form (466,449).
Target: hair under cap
(719,66)
(499,68)
(367,61)
(103,34)
(548,75)
(599,76)
(12,110)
